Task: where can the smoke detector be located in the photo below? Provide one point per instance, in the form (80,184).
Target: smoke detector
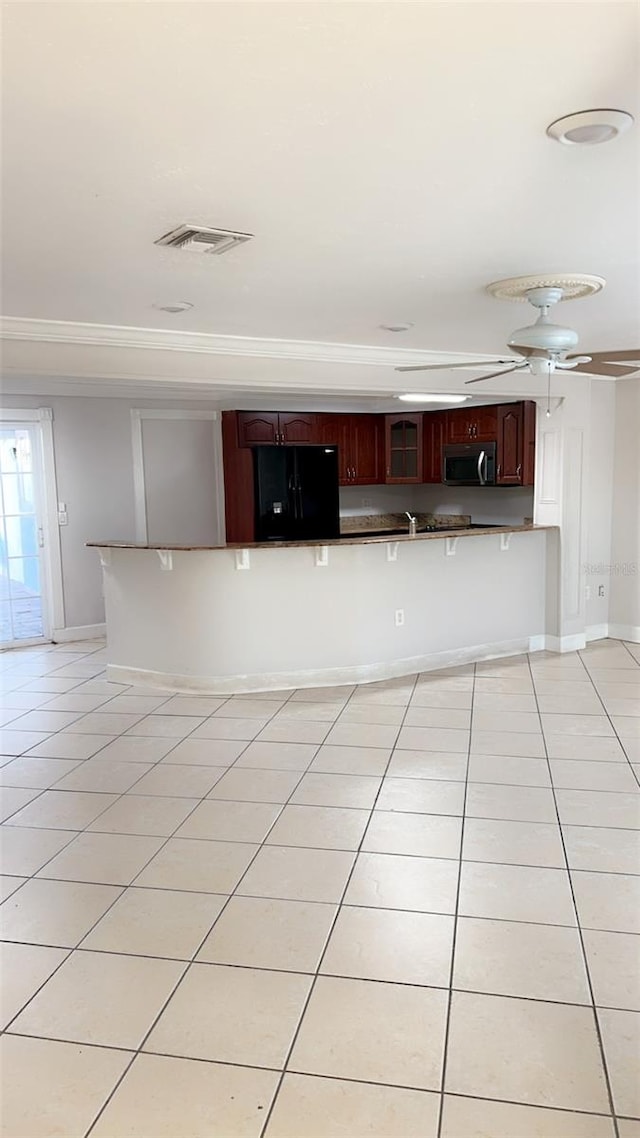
(202,239)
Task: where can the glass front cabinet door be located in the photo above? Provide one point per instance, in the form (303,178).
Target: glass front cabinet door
(403,448)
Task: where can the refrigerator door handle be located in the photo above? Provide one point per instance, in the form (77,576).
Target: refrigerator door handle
(293,499)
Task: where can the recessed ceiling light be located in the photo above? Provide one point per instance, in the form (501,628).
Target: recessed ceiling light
(395,327)
(420,397)
(587,128)
(174,306)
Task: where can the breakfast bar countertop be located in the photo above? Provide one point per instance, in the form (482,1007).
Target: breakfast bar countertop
(344,539)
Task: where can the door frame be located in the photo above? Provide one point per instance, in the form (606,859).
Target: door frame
(139,487)
(53,594)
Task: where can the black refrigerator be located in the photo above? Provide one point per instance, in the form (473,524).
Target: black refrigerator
(296,493)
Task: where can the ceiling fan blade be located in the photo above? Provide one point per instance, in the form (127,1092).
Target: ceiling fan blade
(447,367)
(611,357)
(493,375)
(618,371)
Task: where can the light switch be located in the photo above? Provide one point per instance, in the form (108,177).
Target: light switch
(63,517)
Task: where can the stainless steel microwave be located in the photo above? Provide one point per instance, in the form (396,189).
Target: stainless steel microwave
(469,464)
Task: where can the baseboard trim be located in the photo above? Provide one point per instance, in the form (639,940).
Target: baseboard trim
(79,632)
(565,643)
(597,632)
(322,677)
(630,632)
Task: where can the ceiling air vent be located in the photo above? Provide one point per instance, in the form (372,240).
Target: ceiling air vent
(201,239)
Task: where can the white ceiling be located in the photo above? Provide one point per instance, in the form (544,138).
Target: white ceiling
(390,159)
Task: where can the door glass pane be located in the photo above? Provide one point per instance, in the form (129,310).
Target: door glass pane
(17,491)
(411,435)
(397,463)
(6,630)
(20,565)
(411,466)
(15,450)
(22,536)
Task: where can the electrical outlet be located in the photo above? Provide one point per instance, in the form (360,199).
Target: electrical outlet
(366,502)
(600,590)
(399,617)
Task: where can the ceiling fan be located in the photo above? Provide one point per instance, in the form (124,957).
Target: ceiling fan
(544,347)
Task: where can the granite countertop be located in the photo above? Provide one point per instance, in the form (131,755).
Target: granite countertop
(346,539)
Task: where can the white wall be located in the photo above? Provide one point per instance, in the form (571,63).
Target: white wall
(288,621)
(508,504)
(599,503)
(624,582)
(94,474)
(358,500)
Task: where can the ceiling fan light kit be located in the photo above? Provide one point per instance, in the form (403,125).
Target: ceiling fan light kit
(588,128)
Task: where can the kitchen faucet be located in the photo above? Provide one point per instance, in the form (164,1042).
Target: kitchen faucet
(412,524)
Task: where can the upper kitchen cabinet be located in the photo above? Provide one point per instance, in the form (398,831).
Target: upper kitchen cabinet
(515,452)
(366,444)
(276,428)
(434,429)
(359,442)
(466,423)
(403,448)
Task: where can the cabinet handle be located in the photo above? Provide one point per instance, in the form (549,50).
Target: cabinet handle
(498,472)
(518,470)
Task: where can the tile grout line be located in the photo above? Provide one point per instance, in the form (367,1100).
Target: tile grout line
(634,773)
(328,1078)
(123,888)
(445,1045)
(193,959)
(596,1023)
(332,926)
(302,774)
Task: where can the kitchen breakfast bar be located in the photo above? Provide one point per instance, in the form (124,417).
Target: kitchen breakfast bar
(249,618)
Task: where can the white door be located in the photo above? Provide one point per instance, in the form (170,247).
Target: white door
(24,613)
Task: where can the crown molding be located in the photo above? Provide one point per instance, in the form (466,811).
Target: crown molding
(207,343)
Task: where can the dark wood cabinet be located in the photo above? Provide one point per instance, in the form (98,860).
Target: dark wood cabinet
(257,428)
(238,482)
(276,428)
(366,450)
(297,428)
(395,449)
(515,452)
(434,430)
(465,423)
(403,448)
(335,431)
(359,442)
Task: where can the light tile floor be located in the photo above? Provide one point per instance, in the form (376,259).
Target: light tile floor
(405,909)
